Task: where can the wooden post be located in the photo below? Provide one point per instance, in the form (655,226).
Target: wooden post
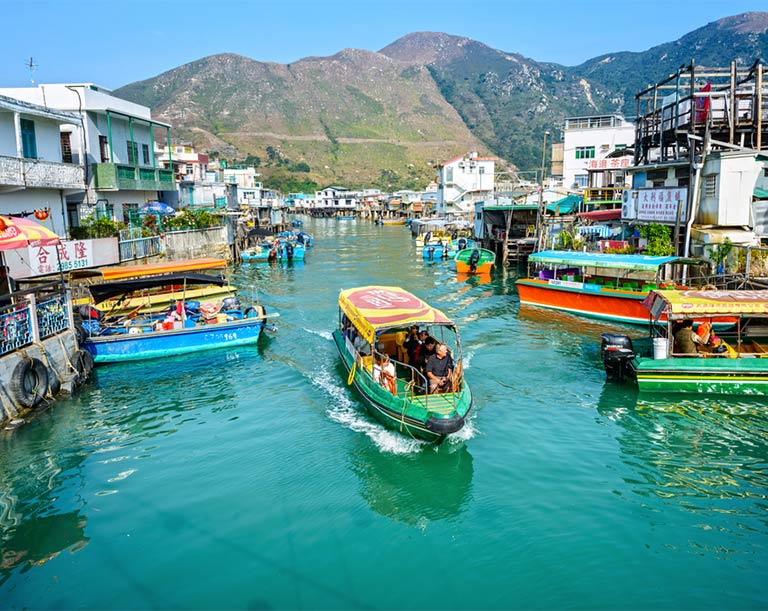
(759,100)
(734,114)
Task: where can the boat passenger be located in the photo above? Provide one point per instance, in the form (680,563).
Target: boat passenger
(439,371)
(412,343)
(384,373)
(426,350)
(687,340)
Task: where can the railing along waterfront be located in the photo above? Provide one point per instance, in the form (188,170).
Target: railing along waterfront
(37,314)
(15,328)
(135,246)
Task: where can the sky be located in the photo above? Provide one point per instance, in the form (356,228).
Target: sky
(114,43)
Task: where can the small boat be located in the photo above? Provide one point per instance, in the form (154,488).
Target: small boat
(186,327)
(279,250)
(373,321)
(297,223)
(598,285)
(474,261)
(735,363)
(400,221)
(436,251)
(347,217)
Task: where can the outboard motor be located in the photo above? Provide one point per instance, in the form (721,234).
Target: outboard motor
(616,352)
(427,237)
(474,258)
(230,303)
(462,243)
(431,253)
(289,251)
(454,235)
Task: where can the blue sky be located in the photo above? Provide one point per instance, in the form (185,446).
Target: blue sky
(114,43)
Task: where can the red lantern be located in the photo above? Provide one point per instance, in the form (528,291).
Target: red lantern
(41,214)
(2,225)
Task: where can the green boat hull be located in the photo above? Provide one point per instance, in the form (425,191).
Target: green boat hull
(740,376)
(429,418)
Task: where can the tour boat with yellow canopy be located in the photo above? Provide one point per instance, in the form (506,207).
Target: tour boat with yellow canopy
(373,325)
(736,363)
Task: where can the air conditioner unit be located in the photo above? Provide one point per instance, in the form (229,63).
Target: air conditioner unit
(629,205)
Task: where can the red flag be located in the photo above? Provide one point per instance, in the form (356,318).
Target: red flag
(702,105)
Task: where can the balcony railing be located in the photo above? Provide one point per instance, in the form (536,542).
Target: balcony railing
(134,246)
(603,195)
(114,176)
(40,173)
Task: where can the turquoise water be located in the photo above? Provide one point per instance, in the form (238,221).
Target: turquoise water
(252,479)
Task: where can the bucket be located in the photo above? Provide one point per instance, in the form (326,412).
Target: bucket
(659,347)
(221,318)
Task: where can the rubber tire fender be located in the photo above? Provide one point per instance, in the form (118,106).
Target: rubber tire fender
(80,333)
(83,362)
(54,384)
(29,382)
(249,312)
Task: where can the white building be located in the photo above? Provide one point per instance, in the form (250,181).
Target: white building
(116,145)
(462,181)
(587,142)
(339,198)
(37,167)
(187,164)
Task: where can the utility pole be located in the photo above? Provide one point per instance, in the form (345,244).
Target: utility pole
(540,215)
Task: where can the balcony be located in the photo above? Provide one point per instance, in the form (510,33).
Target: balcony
(116,177)
(603,195)
(37,173)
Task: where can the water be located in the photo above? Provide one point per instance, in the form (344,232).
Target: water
(253,479)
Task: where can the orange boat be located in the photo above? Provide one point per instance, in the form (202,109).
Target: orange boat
(607,286)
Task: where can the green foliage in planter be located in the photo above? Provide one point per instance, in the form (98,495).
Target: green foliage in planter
(92,227)
(659,239)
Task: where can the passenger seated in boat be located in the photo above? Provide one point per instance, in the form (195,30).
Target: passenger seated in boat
(687,341)
(412,343)
(426,350)
(384,373)
(439,371)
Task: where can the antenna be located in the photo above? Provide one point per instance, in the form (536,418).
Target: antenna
(31,65)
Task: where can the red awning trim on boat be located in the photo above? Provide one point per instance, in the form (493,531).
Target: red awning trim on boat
(601,215)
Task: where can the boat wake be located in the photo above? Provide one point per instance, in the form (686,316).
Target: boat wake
(323,334)
(343,411)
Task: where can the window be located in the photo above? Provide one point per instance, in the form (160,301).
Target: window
(104,148)
(585,152)
(145,153)
(189,169)
(620,147)
(66,147)
(710,185)
(448,174)
(28,141)
(133,152)
(581,180)
(481,170)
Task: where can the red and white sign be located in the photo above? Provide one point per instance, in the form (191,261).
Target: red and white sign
(615,163)
(660,205)
(67,256)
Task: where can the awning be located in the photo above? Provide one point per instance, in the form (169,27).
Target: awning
(374,308)
(605,260)
(601,215)
(566,205)
(18,232)
(122,272)
(760,193)
(102,292)
(685,304)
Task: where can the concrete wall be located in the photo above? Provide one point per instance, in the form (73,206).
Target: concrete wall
(197,243)
(56,352)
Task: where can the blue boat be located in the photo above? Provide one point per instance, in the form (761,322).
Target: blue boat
(297,223)
(349,217)
(279,250)
(299,237)
(185,328)
(448,249)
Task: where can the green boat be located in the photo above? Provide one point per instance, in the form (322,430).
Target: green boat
(474,261)
(373,324)
(736,363)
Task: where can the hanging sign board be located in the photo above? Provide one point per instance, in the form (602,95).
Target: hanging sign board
(659,205)
(65,257)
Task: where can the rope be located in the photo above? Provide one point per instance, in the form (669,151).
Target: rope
(48,365)
(66,356)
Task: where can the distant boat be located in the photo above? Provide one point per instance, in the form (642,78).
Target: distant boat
(400,221)
(279,250)
(350,217)
(475,261)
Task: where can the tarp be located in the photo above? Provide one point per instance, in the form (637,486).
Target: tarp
(610,261)
(374,308)
(683,304)
(157,208)
(120,272)
(102,292)
(566,205)
(601,215)
(23,232)
(760,193)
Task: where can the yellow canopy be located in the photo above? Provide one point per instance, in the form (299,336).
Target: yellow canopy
(707,303)
(374,308)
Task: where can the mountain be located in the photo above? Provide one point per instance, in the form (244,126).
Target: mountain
(385,118)
(357,117)
(741,38)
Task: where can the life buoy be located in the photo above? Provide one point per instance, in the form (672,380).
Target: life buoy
(80,333)
(83,363)
(351,376)
(29,382)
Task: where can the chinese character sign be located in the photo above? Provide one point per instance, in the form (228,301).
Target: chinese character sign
(65,257)
(660,205)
